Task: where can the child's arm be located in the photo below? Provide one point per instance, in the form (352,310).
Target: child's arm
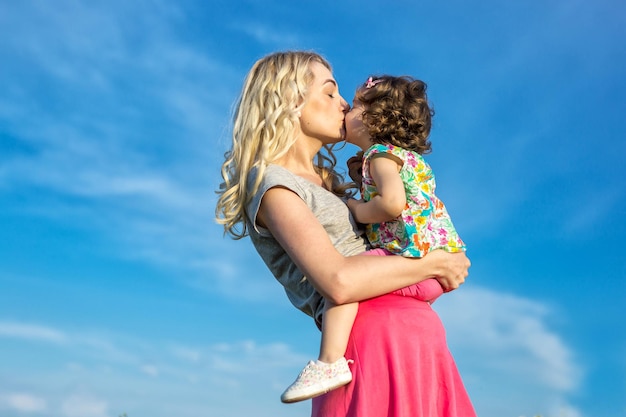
(390,200)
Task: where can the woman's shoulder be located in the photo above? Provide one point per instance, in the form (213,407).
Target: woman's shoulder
(274,176)
(260,181)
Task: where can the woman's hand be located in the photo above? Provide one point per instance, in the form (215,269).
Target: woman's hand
(453,268)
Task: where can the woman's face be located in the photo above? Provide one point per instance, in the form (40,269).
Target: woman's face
(356,132)
(322,116)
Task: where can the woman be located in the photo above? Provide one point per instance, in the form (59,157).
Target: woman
(283,192)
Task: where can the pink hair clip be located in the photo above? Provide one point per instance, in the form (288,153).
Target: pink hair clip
(371,82)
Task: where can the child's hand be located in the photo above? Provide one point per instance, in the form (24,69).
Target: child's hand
(353,204)
(355,165)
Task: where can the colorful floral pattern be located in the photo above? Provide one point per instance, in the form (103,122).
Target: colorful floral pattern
(424,224)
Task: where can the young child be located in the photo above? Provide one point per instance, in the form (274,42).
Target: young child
(390,121)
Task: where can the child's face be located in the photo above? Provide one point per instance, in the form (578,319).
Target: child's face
(356,132)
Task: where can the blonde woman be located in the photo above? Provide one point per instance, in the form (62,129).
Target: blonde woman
(280,188)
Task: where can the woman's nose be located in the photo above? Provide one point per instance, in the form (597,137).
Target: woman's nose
(345,105)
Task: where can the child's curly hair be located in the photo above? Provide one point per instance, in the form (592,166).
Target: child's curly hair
(396,111)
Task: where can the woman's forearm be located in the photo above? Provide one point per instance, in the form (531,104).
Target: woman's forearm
(362,277)
(354,278)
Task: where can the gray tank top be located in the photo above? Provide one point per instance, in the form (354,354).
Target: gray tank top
(332,213)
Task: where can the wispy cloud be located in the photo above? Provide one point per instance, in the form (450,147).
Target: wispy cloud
(113,117)
(106,88)
(607,203)
(511,332)
(11,329)
(495,337)
(517,132)
(499,337)
(266,35)
(215,375)
(22,402)
(84,406)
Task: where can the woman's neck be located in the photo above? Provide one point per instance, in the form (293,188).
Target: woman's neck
(299,160)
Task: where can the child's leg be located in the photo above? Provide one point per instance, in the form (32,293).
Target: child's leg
(336,327)
(427,290)
(331,370)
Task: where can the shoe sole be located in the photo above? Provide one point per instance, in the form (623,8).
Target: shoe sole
(303,397)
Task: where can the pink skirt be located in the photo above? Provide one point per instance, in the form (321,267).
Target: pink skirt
(402,365)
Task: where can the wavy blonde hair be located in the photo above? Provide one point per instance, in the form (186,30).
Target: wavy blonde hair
(265,124)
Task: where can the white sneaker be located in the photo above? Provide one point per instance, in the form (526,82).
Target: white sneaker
(317,379)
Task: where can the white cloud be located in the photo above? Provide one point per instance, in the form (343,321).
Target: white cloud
(186,353)
(265,34)
(37,332)
(151,196)
(583,218)
(22,402)
(110,375)
(511,333)
(509,356)
(84,406)
(510,359)
(85,120)
(150,370)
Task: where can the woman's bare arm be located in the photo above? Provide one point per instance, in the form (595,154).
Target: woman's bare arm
(354,278)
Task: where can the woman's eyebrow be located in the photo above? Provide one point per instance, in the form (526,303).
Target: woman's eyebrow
(330,80)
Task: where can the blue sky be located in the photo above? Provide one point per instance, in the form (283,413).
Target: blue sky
(118,292)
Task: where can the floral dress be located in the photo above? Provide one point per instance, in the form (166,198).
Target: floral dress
(424,224)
